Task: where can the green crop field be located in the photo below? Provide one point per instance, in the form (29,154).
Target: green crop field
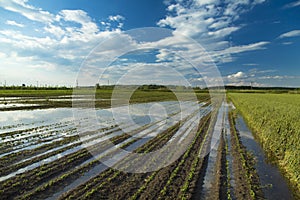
(275,121)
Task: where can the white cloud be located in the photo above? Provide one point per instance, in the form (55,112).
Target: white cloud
(225,54)
(261,78)
(205,2)
(292,4)
(176,8)
(287,43)
(188,21)
(59,46)
(116,18)
(210,22)
(66,45)
(278,77)
(237,75)
(55,30)
(14,23)
(221,33)
(219,24)
(19,41)
(250,64)
(28,11)
(294,33)
(78,16)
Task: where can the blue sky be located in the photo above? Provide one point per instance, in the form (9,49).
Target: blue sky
(251,41)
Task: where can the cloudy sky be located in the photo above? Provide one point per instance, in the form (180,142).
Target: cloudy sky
(249,41)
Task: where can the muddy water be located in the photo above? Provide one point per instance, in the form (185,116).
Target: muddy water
(118,156)
(275,186)
(212,157)
(229,157)
(51,119)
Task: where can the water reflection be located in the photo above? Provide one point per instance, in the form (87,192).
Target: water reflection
(270,177)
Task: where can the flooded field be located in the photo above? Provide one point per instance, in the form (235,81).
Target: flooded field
(53,154)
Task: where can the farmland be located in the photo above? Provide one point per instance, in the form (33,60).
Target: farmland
(44,155)
(54,98)
(274,118)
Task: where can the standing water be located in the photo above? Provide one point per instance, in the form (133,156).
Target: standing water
(275,186)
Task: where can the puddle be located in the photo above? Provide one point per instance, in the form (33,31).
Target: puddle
(149,116)
(268,173)
(88,138)
(212,157)
(115,159)
(229,158)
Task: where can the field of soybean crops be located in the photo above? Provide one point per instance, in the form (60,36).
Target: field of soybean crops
(42,155)
(275,121)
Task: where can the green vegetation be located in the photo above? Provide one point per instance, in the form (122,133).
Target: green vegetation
(243,157)
(274,118)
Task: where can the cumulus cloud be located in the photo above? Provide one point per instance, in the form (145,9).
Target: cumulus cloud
(59,43)
(205,18)
(237,75)
(78,16)
(256,77)
(116,18)
(210,22)
(206,2)
(55,30)
(65,38)
(294,33)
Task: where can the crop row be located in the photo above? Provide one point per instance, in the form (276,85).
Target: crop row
(20,183)
(60,178)
(114,176)
(244,161)
(107,177)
